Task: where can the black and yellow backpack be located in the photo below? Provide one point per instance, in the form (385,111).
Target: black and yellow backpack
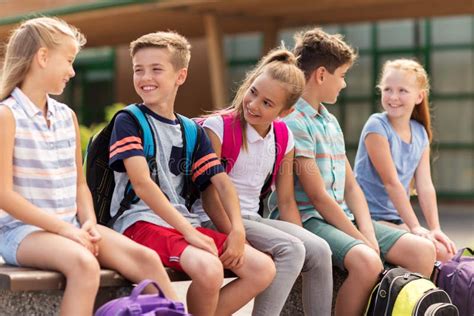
(404,293)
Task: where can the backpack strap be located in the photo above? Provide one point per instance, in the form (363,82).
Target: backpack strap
(146,134)
(280,132)
(191,133)
(463,252)
(231,140)
(281,142)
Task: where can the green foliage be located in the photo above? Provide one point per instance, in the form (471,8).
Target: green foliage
(111,110)
(87,132)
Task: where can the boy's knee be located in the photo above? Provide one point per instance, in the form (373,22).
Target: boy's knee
(263,270)
(208,272)
(147,259)
(147,256)
(371,264)
(366,263)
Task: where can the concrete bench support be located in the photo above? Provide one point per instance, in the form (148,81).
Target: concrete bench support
(25,291)
(47,302)
(294,303)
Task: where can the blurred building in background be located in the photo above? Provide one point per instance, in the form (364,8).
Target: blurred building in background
(229,36)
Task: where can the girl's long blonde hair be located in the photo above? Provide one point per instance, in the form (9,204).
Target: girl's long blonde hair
(25,42)
(281,65)
(421,112)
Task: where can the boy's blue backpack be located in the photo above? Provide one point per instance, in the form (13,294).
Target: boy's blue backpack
(142,305)
(100,178)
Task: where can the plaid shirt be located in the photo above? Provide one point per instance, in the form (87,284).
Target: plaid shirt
(318,135)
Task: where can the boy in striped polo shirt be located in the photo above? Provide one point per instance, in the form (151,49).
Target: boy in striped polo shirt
(160,219)
(330,201)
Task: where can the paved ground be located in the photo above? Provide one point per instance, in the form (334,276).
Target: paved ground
(457,221)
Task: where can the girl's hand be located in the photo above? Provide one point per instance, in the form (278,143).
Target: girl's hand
(438,235)
(78,235)
(422,232)
(91,228)
(233,255)
(94,235)
(201,241)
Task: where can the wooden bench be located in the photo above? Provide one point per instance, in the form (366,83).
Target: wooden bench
(25,291)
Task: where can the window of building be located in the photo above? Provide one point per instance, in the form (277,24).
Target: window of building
(92,88)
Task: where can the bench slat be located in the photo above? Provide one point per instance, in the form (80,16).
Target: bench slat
(26,279)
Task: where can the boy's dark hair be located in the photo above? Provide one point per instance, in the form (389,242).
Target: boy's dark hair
(316,48)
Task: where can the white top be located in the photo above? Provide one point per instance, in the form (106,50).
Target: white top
(251,168)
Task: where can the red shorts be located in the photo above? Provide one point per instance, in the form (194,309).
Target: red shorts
(168,242)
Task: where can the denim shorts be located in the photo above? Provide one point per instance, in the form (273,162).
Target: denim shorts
(11,239)
(340,242)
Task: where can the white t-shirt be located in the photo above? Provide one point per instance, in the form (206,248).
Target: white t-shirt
(251,168)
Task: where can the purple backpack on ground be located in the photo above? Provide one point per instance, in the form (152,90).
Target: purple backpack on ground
(142,305)
(456,277)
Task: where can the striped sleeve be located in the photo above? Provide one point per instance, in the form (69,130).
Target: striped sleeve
(303,140)
(206,163)
(125,142)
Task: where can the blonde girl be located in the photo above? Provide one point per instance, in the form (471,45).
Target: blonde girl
(47,218)
(394,148)
(267,93)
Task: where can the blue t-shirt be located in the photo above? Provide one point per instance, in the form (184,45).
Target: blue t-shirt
(125,142)
(405,156)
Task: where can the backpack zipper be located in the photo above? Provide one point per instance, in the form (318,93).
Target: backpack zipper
(434,310)
(454,282)
(407,277)
(429,292)
(471,293)
(390,291)
(438,307)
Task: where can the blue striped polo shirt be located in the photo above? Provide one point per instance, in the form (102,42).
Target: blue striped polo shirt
(44,158)
(318,136)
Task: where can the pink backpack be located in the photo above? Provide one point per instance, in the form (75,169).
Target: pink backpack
(232,142)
